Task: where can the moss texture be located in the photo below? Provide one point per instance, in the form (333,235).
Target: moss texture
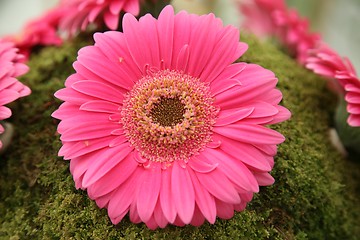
(314,196)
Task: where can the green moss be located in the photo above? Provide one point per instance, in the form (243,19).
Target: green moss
(314,195)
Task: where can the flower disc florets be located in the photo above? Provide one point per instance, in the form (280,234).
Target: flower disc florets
(168,116)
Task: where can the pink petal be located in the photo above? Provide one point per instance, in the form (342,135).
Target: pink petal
(200,53)
(116,117)
(135,43)
(262,109)
(118,141)
(108,160)
(109,45)
(224,210)
(223,55)
(183,58)
(200,166)
(8,96)
(250,134)
(100,106)
(159,216)
(94,13)
(123,56)
(166,35)
(79,119)
(232,116)
(352,87)
(219,186)
(73,150)
(71,96)
(183,192)
(254,73)
(78,181)
(99,90)
(284,114)
(111,20)
(242,48)
(354,109)
(150,40)
(247,196)
(240,207)
(223,85)
(132,7)
(198,219)
(354,120)
(119,217)
(166,197)
(116,6)
(115,42)
(86,131)
(151,223)
(108,70)
(79,165)
(245,93)
(134,215)
(181,38)
(124,196)
(244,152)
(4,112)
(204,200)
(114,178)
(7,81)
(270,150)
(235,171)
(273,96)
(230,72)
(352,97)
(179,222)
(257,121)
(25,91)
(264,178)
(148,192)
(321,70)
(103,201)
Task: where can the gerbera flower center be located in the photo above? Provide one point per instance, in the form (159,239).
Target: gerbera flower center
(168,111)
(168,116)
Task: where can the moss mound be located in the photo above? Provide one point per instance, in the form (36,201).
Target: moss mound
(314,196)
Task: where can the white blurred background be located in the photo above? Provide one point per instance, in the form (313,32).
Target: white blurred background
(14,13)
(338,21)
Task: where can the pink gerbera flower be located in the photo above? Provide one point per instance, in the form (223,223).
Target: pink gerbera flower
(39,32)
(80,13)
(158,121)
(11,66)
(342,76)
(258,15)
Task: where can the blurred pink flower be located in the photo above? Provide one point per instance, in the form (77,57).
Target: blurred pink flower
(80,13)
(39,32)
(293,33)
(11,66)
(342,77)
(326,62)
(159,125)
(258,15)
(267,18)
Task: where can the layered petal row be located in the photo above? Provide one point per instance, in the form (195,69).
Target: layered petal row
(11,67)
